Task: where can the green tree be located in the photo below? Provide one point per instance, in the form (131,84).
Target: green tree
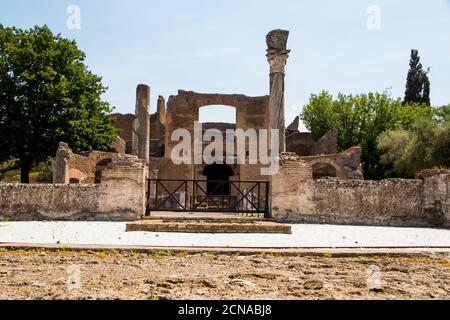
(47,95)
(417,82)
(360,120)
(426,145)
(442,114)
(442,145)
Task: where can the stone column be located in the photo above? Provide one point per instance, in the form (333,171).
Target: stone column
(141,125)
(61,164)
(277,56)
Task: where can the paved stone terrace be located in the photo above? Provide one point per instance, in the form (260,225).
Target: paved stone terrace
(303,236)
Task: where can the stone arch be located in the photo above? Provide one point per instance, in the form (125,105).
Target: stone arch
(183,112)
(76,176)
(325,168)
(183,109)
(204,100)
(99,167)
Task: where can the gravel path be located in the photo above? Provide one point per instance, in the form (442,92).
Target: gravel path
(66,274)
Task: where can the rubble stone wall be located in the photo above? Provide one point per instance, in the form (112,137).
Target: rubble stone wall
(423,202)
(119,196)
(47,201)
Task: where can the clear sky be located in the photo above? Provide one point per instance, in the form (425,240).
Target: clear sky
(219,45)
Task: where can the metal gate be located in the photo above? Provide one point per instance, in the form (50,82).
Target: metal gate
(208,196)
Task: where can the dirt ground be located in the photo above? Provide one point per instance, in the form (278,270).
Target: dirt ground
(64,274)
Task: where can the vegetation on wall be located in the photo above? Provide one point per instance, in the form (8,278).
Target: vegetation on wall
(47,95)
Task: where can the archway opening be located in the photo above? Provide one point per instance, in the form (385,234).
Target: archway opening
(217,114)
(218,179)
(74,181)
(219,118)
(323,170)
(101,165)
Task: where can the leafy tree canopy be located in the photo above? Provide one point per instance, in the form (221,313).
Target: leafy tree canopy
(426,145)
(442,114)
(47,95)
(360,120)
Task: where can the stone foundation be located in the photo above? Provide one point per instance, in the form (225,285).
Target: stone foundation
(209,226)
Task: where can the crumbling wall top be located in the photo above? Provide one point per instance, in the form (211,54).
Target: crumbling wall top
(432,172)
(126,160)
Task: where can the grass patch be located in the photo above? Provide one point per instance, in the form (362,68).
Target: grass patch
(62,247)
(41,173)
(163,253)
(101,254)
(183,254)
(134,253)
(90,285)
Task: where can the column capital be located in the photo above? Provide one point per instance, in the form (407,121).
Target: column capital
(277,60)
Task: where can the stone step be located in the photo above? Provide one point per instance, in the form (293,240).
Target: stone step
(209,226)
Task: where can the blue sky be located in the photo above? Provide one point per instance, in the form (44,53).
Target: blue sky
(219,45)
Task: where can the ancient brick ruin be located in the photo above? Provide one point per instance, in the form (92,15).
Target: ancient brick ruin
(149,136)
(316,183)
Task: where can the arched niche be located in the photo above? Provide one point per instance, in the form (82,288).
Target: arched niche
(321,170)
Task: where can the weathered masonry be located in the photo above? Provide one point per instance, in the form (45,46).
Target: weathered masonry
(315,184)
(297,197)
(149,136)
(120,195)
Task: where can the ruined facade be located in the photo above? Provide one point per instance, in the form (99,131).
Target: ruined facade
(85,168)
(264,112)
(315,182)
(149,136)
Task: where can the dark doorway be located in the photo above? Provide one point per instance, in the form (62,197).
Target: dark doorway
(323,170)
(218,177)
(101,165)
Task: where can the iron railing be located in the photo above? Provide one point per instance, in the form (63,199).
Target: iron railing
(208,196)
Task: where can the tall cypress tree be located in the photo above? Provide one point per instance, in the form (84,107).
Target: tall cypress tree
(417,83)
